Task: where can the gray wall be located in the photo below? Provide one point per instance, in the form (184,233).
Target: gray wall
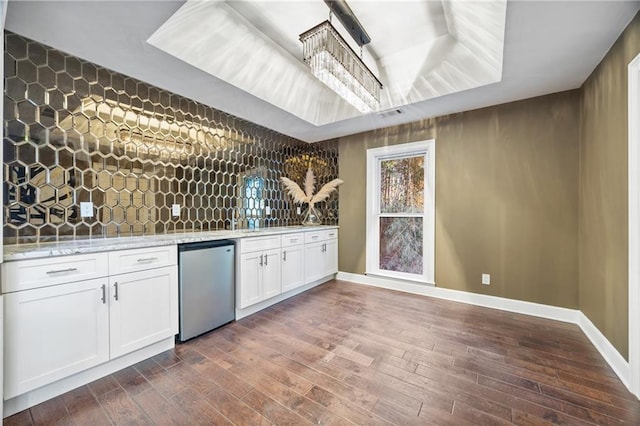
(506,198)
(604,231)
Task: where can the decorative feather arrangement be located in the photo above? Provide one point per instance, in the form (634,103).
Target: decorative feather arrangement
(309,184)
(294,190)
(325,191)
(300,197)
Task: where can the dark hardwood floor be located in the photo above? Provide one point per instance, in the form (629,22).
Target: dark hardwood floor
(349,354)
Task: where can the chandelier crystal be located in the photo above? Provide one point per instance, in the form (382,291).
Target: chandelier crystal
(333,62)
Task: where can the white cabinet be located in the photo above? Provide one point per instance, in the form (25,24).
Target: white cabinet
(292,267)
(331,257)
(143,309)
(250,279)
(271,280)
(55,328)
(272,265)
(258,270)
(53,332)
(144,300)
(320,255)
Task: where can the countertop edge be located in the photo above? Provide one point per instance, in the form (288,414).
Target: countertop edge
(86,246)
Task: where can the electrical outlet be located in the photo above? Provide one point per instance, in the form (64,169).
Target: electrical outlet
(486,279)
(298,210)
(86,209)
(175,210)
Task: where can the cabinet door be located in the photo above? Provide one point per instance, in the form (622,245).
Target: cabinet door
(250,286)
(331,257)
(54,332)
(271,284)
(143,308)
(314,262)
(292,267)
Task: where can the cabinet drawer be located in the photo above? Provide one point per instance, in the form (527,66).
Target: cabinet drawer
(36,273)
(259,243)
(289,240)
(323,235)
(125,261)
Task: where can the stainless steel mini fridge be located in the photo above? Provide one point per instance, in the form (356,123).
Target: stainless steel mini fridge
(206,286)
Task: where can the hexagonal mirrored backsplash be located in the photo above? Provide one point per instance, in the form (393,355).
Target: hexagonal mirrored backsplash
(74,132)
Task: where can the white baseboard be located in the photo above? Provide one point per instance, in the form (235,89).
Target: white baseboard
(511,305)
(611,355)
(36,396)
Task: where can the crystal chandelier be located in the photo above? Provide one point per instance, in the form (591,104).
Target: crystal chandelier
(333,62)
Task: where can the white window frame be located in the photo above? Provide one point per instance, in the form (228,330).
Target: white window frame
(374,157)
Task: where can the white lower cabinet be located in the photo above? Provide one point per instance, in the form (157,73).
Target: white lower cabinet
(321,259)
(54,332)
(59,329)
(143,309)
(331,257)
(271,278)
(270,266)
(292,267)
(259,277)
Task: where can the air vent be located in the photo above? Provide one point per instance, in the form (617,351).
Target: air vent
(390,113)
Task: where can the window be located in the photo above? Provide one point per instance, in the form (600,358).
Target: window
(401,211)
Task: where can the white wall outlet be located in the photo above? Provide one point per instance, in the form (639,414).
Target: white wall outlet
(175,210)
(298,210)
(486,279)
(86,209)
(267,210)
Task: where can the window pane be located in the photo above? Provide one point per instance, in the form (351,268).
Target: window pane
(402,185)
(401,244)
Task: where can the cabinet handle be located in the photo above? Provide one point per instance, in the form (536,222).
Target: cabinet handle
(266,259)
(147,259)
(115,286)
(284,256)
(59,271)
(261,259)
(104,293)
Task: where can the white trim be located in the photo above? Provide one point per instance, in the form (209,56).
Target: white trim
(426,148)
(610,354)
(634,225)
(510,305)
(35,397)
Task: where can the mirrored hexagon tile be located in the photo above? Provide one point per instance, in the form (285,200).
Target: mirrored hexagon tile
(78,132)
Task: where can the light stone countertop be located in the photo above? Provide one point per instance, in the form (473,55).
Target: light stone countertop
(95,245)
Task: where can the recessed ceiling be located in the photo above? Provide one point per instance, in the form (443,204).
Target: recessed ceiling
(512,51)
(419,50)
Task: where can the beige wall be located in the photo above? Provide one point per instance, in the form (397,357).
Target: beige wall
(507,197)
(603,230)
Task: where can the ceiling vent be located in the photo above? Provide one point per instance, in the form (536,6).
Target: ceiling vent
(390,113)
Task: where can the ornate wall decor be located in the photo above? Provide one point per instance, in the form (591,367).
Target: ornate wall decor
(74,131)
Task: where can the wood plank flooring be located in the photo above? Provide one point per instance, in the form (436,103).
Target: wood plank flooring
(344,354)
